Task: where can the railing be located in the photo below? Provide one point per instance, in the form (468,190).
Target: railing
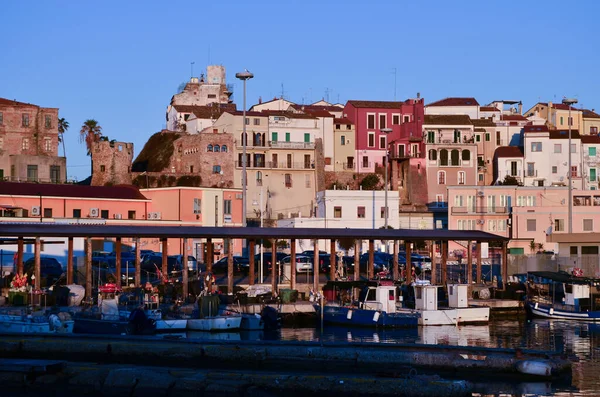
(348,166)
(450,142)
(274,165)
(249,145)
(479,210)
(37,180)
(291,145)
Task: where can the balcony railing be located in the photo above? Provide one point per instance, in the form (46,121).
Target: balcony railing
(452,142)
(395,156)
(479,210)
(291,145)
(349,166)
(276,165)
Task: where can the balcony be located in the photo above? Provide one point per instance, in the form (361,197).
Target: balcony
(277,165)
(478,210)
(450,142)
(348,166)
(249,145)
(401,156)
(291,145)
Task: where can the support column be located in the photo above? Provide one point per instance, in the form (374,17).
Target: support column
(316,267)
(251,270)
(504,264)
(88,269)
(118,261)
(38,262)
(357,244)
(228,243)
(165,252)
(444,272)
(20,256)
(332,260)
(407,252)
(371,259)
(185,276)
(396,275)
(293,263)
(470,262)
(209,255)
(138,263)
(274,275)
(70,261)
(478,250)
(433,261)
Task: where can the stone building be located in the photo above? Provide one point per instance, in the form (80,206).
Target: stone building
(111,163)
(29,143)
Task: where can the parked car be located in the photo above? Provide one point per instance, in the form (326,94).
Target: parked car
(380,259)
(240,264)
(303,263)
(51,270)
(267,259)
(192,263)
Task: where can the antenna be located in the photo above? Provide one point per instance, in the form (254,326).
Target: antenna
(282,91)
(192,68)
(327,94)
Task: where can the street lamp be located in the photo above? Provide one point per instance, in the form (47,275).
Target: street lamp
(569,102)
(245,75)
(385,181)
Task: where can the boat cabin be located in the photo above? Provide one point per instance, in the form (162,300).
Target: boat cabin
(458,295)
(426,296)
(382,297)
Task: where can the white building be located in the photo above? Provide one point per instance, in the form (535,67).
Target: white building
(591,161)
(454,106)
(275,104)
(508,160)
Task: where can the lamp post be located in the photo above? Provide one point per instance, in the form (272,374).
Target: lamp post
(569,102)
(385,182)
(244,76)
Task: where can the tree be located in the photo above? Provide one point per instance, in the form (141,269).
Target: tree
(510,181)
(370,182)
(63,126)
(532,246)
(90,133)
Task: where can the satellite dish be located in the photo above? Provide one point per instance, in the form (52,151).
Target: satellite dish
(549,231)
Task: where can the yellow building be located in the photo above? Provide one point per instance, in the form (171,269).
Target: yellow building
(591,122)
(556,115)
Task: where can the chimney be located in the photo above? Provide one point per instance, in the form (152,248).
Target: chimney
(259,100)
(418,95)
(520,108)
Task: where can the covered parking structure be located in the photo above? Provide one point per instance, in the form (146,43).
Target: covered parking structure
(251,234)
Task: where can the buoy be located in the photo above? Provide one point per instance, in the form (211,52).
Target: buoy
(375,317)
(534,367)
(349,315)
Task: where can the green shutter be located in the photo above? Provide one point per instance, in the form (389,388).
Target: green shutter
(592,151)
(592,175)
(516,251)
(307,138)
(287,136)
(274,136)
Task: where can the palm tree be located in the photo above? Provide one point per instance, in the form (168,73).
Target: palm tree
(90,133)
(63,126)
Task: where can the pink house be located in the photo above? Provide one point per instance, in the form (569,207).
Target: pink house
(371,117)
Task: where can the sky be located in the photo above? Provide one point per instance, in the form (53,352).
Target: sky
(120,62)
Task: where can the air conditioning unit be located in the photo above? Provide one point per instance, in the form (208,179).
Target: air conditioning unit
(480,194)
(35,211)
(118,216)
(480,221)
(239,196)
(94,212)
(153,215)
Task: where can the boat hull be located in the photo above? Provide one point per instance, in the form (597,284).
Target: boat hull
(356,317)
(455,316)
(101,327)
(16,324)
(171,325)
(215,324)
(252,322)
(549,311)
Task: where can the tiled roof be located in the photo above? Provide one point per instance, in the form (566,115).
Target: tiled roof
(560,106)
(248,113)
(10,102)
(120,192)
(308,108)
(483,122)
(508,151)
(479,130)
(455,102)
(376,104)
(564,134)
(320,113)
(212,112)
(489,109)
(342,121)
(535,128)
(590,139)
(287,114)
(513,117)
(442,119)
(590,114)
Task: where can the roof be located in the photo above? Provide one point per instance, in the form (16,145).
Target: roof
(483,122)
(535,128)
(590,114)
(11,102)
(564,134)
(489,109)
(590,139)
(376,104)
(120,192)
(455,102)
(285,113)
(320,113)
(508,151)
(513,117)
(248,113)
(308,108)
(560,106)
(450,119)
(562,277)
(342,121)
(71,230)
(211,112)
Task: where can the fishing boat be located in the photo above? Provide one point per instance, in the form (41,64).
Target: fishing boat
(207,317)
(165,324)
(29,324)
(563,295)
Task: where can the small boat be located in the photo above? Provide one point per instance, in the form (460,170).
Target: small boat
(28,324)
(563,295)
(215,323)
(166,324)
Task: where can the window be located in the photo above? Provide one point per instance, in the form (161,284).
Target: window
(570,120)
(258,178)
(47,212)
(216,149)
(462,176)
(557,148)
(487,136)
(383,212)
(247,121)
(371,142)
(439,199)
(32,173)
(592,151)
(287,137)
(573,148)
(274,136)
(454,157)
(513,168)
(536,146)
(456,136)
(530,169)
(47,144)
(430,136)
(443,157)
(371,121)
(274,159)
(573,250)
(406,118)
(259,160)
(561,120)
(130,214)
(466,155)
(593,130)
(348,126)
(25,119)
(1,118)
(498,138)
(227,207)
(289,160)
(343,140)
(224,149)
(365,162)
(531,225)
(1,142)
(256,121)
(554,169)
(209,148)
(396,119)
(288,180)
(382,142)
(55,173)
(76,213)
(592,175)
(48,121)
(216,169)
(102,168)
(400,150)
(588,225)
(432,154)
(360,212)
(441,177)
(574,171)
(307,162)
(197,206)
(459,201)
(559,225)
(382,121)
(478,138)
(306,138)
(307,179)
(337,212)
(244,139)
(25,144)
(480,177)
(337,126)
(104,214)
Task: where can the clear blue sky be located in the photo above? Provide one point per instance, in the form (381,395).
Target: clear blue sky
(121,61)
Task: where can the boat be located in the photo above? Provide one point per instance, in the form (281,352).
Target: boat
(376,307)
(30,324)
(164,324)
(205,320)
(563,295)
(458,310)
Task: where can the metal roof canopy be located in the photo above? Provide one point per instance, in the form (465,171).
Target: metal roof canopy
(13,241)
(62,230)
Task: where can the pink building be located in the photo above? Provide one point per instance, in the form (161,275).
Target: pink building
(370,117)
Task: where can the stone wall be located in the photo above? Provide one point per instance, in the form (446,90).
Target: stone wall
(111,163)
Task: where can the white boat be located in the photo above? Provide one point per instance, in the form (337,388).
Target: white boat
(457,312)
(28,324)
(166,325)
(215,323)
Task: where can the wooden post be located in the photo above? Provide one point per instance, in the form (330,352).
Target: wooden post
(371,263)
(470,262)
(165,252)
(38,262)
(332,260)
(251,270)
(19,268)
(444,272)
(316,267)
(504,264)
(185,270)
(274,275)
(118,262)
(209,255)
(138,263)
(293,263)
(357,259)
(478,250)
(407,252)
(229,245)
(70,261)
(88,269)
(396,275)
(433,261)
